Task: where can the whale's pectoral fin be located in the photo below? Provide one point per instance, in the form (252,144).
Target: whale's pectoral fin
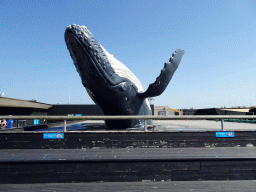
(158,87)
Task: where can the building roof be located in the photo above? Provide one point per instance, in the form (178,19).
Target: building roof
(175,110)
(10,102)
(235,109)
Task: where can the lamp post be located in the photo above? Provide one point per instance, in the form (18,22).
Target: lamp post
(150,99)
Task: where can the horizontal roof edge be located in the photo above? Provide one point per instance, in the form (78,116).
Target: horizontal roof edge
(10,102)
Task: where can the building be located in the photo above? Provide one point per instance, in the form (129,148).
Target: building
(218,111)
(188,112)
(223,111)
(10,106)
(166,111)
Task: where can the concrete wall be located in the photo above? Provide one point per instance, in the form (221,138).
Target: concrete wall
(84,110)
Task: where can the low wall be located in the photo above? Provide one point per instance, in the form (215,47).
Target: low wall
(124,139)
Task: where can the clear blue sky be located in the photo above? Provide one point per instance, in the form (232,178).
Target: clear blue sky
(219,39)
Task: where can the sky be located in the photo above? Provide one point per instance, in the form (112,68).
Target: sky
(218,36)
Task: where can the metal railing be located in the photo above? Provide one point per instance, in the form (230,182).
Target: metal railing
(72,118)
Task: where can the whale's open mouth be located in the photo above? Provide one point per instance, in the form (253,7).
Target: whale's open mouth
(88,54)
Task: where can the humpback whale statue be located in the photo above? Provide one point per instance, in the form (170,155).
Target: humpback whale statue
(110,83)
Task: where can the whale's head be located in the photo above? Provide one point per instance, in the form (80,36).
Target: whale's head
(108,82)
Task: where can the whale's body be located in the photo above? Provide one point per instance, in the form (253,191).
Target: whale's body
(110,83)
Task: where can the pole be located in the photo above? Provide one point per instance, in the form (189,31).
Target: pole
(145,125)
(65,126)
(222,124)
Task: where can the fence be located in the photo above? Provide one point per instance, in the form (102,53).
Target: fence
(72,118)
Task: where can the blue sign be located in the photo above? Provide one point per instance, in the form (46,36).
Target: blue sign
(225,134)
(53,136)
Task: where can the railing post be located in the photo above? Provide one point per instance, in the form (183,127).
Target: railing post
(65,126)
(145,125)
(222,124)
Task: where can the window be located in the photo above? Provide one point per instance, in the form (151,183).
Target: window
(162,113)
(21,123)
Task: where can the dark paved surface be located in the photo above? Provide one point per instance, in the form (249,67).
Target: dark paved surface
(183,186)
(12,155)
(201,125)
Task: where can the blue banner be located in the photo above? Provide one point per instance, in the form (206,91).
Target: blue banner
(53,136)
(225,134)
